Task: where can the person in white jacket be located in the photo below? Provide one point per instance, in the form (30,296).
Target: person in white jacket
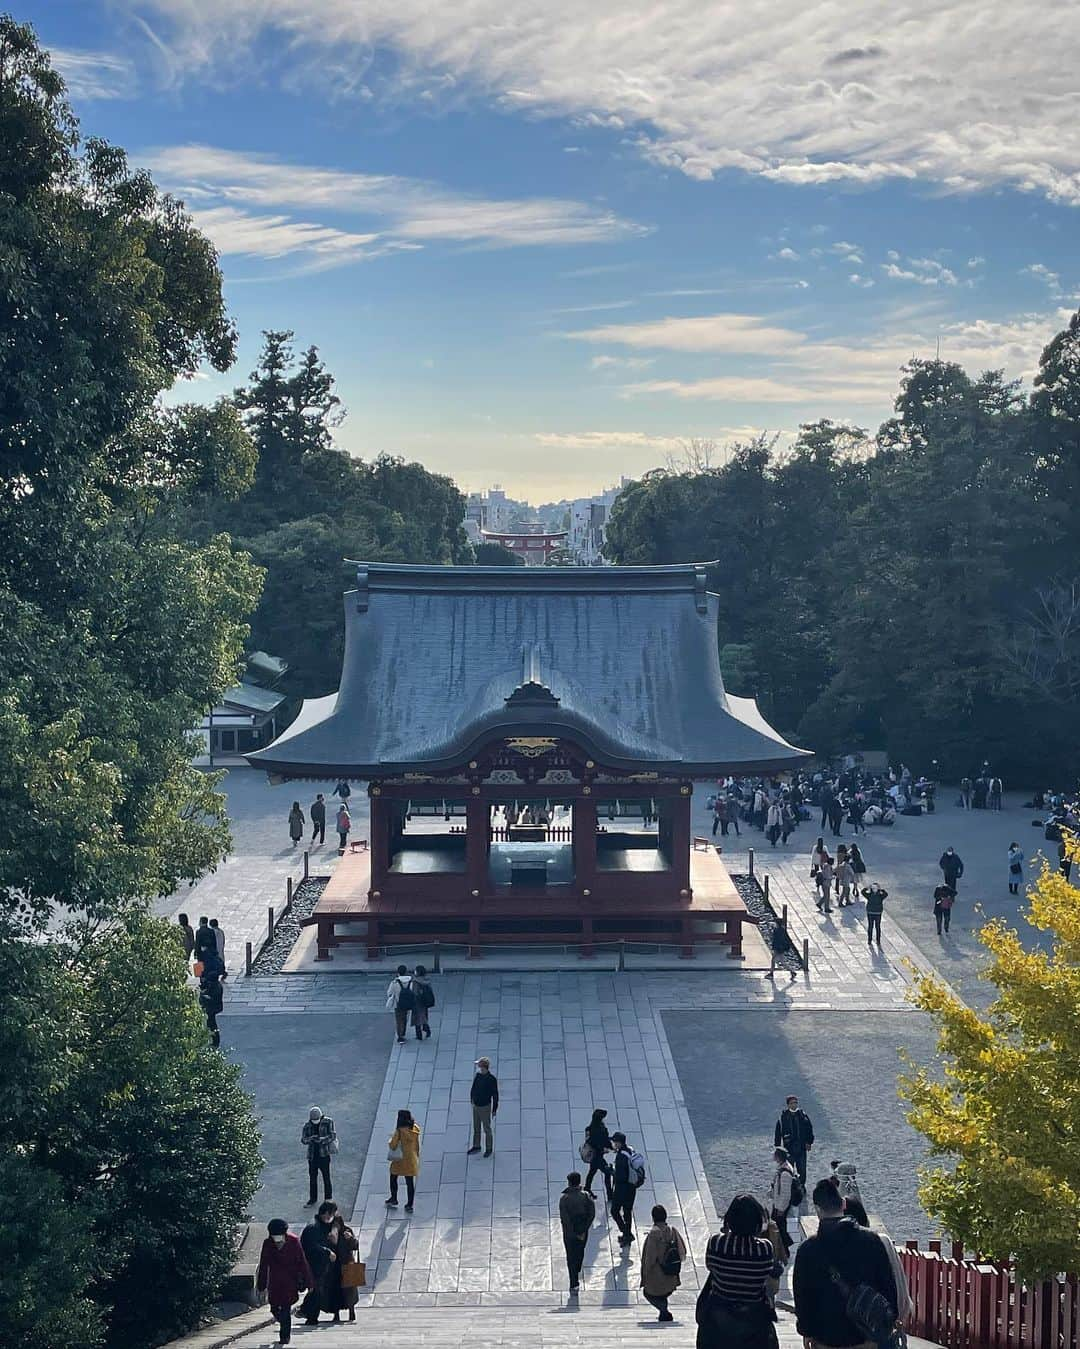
(780,1193)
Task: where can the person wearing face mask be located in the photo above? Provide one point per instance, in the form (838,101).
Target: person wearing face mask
(319,1137)
(319,1240)
(283,1274)
(795,1132)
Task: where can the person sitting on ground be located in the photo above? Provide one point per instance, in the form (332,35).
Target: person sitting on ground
(832,1263)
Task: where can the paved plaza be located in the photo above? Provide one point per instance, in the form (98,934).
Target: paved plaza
(691,1063)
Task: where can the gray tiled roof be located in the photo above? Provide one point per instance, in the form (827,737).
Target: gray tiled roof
(623,659)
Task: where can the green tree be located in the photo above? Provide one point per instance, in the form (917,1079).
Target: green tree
(496,555)
(1004,1116)
(116,637)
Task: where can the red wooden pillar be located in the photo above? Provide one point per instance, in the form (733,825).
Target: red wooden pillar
(583,816)
(380,837)
(680,838)
(477,847)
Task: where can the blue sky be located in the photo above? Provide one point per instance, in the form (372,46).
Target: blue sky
(541,243)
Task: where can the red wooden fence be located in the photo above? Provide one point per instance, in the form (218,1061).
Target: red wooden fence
(980,1304)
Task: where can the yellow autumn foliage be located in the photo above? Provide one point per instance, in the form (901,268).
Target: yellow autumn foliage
(1001,1107)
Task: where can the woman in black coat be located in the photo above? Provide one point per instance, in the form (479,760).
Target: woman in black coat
(599,1140)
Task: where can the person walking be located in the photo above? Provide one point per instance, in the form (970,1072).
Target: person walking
(342,790)
(597,1142)
(296,823)
(720,815)
(187,935)
(795,1133)
(875,896)
(853,1208)
(404,1157)
(788,821)
(780,945)
(774,822)
(343,823)
(211,992)
(845,878)
(944,898)
(219,939)
(662,1254)
(824,884)
(733,812)
(733,1307)
(400,999)
(204,938)
(319,1138)
(996,791)
(283,1274)
(424,996)
(484,1097)
(1064,860)
(317,811)
(965,793)
(1016,868)
(829,1266)
(858,865)
(825,800)
(952,868)
(629,1176)
(576,1213)
(347,1246)
(836,816)
(784,1187)
(319,1242)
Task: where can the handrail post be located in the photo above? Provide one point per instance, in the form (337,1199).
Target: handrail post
(270,922)
(622,955)
(288,892)
(306,857)
(806,954)
(247,960)
(436,965)
(750,855)
(783,917)
(766,887)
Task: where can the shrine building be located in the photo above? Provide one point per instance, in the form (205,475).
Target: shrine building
(530,738)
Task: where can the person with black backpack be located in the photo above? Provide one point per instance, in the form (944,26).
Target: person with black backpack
(843,1284)
(662,1254)
(629,1177)
(425,1000)
(400,999)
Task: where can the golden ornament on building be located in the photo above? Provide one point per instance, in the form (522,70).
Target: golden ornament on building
(532,746)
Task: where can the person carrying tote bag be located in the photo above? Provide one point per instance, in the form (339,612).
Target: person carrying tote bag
(403,1155)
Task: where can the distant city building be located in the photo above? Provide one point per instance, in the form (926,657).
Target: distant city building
(589,518)
(574,529)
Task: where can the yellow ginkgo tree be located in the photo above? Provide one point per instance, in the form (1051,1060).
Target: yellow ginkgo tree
(1001,1107)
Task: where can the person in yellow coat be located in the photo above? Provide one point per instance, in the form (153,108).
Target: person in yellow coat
(404,1158)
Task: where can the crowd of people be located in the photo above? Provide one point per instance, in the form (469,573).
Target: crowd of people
(204,951)
(317,816)
(744,1261)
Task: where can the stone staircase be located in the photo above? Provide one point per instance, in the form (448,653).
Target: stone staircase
(549,1325)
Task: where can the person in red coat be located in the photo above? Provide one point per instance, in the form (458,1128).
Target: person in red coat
(283,1273)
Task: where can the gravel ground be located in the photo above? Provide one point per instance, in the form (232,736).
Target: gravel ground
(271,959)
(737,1067)
(753,896)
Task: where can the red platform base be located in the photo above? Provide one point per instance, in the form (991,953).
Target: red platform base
(713,913)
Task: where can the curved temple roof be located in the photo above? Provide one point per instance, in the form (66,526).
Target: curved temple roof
(438,660)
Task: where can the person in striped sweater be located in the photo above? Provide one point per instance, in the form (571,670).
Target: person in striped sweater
(733,1309)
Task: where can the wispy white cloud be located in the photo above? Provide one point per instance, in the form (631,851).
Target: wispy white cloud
(584,441)
(862,281)
(224,185)
(786,255)
(793,367)
(93,75)
(236,232)
(621,362)
(1051,279)
(967,98)
(923,271)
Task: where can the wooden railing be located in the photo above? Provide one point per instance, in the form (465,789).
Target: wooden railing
(553,833)
(966,1303)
